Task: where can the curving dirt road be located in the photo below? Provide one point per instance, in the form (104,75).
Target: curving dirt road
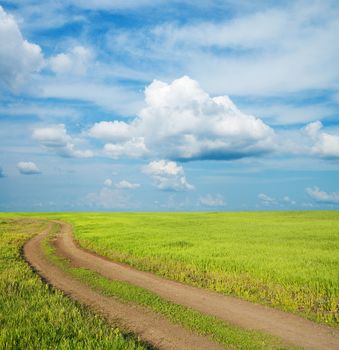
(150,327)
(288,327)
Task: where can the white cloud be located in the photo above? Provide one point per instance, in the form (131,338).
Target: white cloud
(43,111)
(56,139)
(282,202)
(322,196)
(271,51)
(125,185)
(168,176)
(18,57)
(120,99)
(133,148)
(60,63)
(325,145)
(289,114)
(288,200)
(307,205)
(43,15)
(28,168)
(110,131)
(265,199)
(108,183)
(312,129)
(109,199)
(288,60)
(53,136)
(181,121)
(212,200)
(163,167)
(76,61)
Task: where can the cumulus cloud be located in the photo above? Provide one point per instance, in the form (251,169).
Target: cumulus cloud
(56,139)
(168,176)
(265,199)
(284,201)
(288,200)
(108,198)
(163,167)
(210,200)
(75,61)
(312,129)
(2,174)
(322,196)
(125,185)
(28,168)
(108,183)
(18,57)
(133,148)
(325,145)
(110,131)
(182,122)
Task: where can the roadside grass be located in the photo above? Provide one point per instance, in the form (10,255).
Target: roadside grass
(227,335)
(287,260)
(35,316)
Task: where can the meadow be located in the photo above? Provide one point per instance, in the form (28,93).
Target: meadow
(287,260)
(36,316)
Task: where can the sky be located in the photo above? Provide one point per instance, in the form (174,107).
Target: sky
(154,105)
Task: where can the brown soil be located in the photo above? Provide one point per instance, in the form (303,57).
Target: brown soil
(290,328)
(150,327)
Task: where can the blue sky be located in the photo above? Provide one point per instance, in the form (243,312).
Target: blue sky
(169,105)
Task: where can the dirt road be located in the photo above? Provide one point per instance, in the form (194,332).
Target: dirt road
(150,327)
(286,326)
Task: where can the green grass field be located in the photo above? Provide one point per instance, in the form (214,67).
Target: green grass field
(34,316)
(288,260)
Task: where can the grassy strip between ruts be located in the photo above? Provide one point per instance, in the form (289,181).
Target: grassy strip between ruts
(221,332)
(35,316)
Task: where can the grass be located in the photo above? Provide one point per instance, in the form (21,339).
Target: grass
(227,335)
(34,316)
(288,260)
